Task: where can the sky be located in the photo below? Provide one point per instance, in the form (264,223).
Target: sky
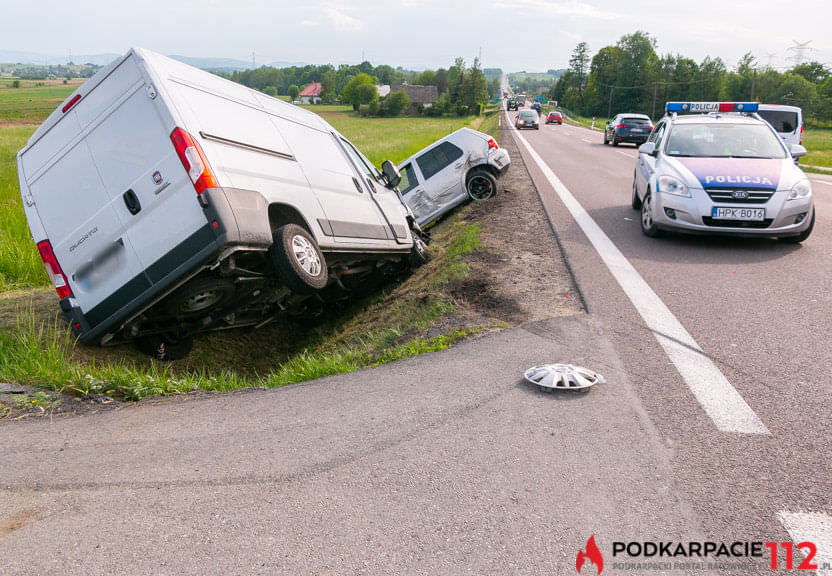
(532,35)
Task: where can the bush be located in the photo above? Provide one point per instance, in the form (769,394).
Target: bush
(434,111)
(478,108)
(397,102)
(16,84)
(270,91)
(420,109)
(461,110)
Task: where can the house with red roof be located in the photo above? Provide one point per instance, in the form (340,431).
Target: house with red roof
(311,93)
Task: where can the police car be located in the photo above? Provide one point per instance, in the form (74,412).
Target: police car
(717,167)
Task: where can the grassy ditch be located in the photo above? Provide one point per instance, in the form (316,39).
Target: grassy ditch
(415,316)
(818,142)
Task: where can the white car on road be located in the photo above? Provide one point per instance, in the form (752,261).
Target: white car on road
(464,164)
(723,171)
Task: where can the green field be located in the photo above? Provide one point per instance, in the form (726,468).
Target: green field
(818,142)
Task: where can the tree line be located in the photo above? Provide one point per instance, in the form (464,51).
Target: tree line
(631,76)
(462,89)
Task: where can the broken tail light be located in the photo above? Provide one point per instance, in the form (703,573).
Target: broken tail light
(492,145)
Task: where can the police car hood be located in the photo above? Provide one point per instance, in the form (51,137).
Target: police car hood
(749,173)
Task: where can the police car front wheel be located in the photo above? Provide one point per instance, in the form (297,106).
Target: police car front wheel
(648,224)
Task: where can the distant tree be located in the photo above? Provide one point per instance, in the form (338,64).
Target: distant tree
(328,86)
(398,102)
(270,90)
(814,72)
(355,94)
(441,80)
(579,66)
(293,92)
(366,94)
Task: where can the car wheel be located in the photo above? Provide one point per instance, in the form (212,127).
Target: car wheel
(418,254)
(614,141)
(803,235)
(297,260)
(165,347)
(606,142)
(200,296)
(648,225)
(636,201)
(481,185)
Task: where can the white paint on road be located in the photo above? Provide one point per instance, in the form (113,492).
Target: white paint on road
(821,181)
(587,140)
(811,527)
(718,397)
(630,156)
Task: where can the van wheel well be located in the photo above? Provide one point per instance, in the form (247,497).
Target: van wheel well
(282,214)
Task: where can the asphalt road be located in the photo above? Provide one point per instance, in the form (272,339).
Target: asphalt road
(758,308)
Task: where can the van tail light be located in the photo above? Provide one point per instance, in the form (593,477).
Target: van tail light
(801,135)
(492,145)
(193,159)
(56,275)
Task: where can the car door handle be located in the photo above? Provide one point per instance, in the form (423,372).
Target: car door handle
(132,202)
(357,185)
(371,185)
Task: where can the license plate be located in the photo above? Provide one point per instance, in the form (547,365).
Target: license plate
(750,214)
(636,130)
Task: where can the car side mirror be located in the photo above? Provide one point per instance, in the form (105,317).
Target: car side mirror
(648,148)
(797,150)
(391,173)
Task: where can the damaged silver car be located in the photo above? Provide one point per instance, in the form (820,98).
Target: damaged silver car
(464,164)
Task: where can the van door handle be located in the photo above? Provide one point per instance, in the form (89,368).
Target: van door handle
(132,202)
(357,185)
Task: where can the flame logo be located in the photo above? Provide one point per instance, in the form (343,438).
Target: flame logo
(592,554)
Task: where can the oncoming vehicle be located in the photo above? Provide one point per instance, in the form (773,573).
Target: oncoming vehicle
(464,164)
(629,128)
(786,120)
(725,171)
(511,104)
(537,108)
(554,118)
(166,201)
(527,119)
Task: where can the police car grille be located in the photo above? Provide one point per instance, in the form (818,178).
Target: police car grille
(736,223)
(727,195)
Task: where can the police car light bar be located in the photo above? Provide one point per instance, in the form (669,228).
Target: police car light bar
(705,107)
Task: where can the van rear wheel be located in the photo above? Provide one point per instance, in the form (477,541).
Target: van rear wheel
(165,347)
(297,260)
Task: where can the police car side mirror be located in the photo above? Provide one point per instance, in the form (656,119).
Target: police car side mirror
(648,148)
(797,151)
(391,173)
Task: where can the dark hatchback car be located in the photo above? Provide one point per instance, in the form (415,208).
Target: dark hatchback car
(631,128)
(527,119)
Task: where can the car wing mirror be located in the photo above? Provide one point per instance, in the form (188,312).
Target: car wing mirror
(648,148)
(391,173)
(797,150)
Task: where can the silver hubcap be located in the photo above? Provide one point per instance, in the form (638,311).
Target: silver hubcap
(201,301)
(306,255)
(646,213)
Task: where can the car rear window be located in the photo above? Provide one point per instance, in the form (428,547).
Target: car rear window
(631,120)
(781,120)
(438,158)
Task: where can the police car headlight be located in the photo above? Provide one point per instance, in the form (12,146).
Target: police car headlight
(802,189)
(672,185)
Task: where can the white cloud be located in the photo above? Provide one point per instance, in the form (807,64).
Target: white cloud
(309,23)
(570,35)
(341,21)
(548,7)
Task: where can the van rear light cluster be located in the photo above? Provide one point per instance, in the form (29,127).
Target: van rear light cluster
(56,275)
(492,145)
(193,159)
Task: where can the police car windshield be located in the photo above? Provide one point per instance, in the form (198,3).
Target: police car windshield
(724,141)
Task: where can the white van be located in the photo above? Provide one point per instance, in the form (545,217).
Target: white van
(165,201)
(786,120)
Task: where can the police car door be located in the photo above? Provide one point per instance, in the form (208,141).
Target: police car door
(646,165)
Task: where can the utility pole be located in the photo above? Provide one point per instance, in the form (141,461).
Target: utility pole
(609,108)
(655,86)
(753,84)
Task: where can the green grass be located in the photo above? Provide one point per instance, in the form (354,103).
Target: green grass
(31,104)
(818,142)
(20,265)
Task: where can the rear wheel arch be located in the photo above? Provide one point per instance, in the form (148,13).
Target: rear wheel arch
(282,214)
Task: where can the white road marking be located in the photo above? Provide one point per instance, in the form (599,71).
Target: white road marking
(821,181)
(587,140)
(718,397)
(811,527)
(630,156)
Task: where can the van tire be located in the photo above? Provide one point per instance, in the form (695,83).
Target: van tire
(198,297)
(481,185)
(297,260)
(165,347)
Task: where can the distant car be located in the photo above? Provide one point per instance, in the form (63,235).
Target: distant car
(554,118)
(512,104)
(631,128)
(464,164)
(536,107)
(786,120)
(527,119)
(724,172)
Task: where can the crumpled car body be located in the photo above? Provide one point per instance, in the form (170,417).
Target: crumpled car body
(448,172)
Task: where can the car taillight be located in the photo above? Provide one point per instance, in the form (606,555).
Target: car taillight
(193,159)
(650,127)
(492,145)
(622,126)
(56,275)
(801,135)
